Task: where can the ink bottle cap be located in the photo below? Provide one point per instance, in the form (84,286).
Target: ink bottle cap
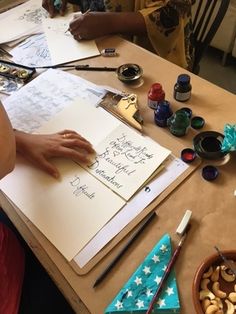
(155,95)
(187,110)
(162,113)
(188,155)
(182,88)
(210,173)
(178,123)
(197,122)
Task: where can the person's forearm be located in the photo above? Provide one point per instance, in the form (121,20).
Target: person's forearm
(7,144)
(21,138)
(128,23)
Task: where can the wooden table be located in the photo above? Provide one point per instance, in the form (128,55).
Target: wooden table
(212,203)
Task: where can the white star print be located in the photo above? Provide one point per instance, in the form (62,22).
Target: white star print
(146,270)
(157,279)
(129,293)
(156,258)
(140,304)
(138,281)
(119,305)
(164,268)
(149,293)
(169,291)
(164,248)
(161,302)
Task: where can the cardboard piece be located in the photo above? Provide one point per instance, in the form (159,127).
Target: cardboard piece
(137,293)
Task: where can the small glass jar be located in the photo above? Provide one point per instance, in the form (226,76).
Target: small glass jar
(155,95)
(178,123)
(162,113)
(182,88)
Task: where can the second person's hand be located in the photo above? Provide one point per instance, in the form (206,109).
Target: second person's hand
(49,5)
(90,25)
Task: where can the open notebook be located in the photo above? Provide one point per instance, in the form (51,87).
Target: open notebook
(70,212)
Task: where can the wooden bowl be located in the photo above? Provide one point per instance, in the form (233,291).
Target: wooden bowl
(213,260)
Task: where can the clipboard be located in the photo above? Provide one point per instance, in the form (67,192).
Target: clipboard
(164,138)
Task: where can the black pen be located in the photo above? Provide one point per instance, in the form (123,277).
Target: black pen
(141,227)
(83,67)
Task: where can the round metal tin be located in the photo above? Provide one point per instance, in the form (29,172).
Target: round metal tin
(208,145)
(197,122)
(188,155)
(129,72)
(210,173)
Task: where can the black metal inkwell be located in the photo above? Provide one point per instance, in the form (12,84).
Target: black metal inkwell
(208,145)
(129,72)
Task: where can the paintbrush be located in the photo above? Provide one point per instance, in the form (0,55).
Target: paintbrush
(168,270)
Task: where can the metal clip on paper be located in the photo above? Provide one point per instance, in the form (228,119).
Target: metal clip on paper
(127,108)
(124,107)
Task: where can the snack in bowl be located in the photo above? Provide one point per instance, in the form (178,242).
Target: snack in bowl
(214,285)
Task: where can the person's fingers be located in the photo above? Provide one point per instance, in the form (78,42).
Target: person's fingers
(73,135)
(77,154)
(49,168)
(51,8)
(79,144)
(67,131)
(63,7)
(75,24)
(45,5)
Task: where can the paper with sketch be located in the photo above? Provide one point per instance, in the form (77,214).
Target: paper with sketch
(57,37)
(32,52)
(22,20)
(69,212)
(42,98)
(125,160)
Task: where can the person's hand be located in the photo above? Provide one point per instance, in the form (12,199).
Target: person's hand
(90,25)
(39,149)
(49,6)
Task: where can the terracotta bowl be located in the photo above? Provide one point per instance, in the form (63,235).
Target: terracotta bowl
(213,260)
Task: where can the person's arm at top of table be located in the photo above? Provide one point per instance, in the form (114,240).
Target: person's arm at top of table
(164,23)
(7,144)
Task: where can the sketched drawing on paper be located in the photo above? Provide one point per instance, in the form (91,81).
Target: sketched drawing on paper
(60,29)
(33,15)
(32,52)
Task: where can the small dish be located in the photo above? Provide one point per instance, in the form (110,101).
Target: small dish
(208,145)
(225,286)
(129,72)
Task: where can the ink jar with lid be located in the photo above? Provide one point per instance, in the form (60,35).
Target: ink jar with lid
(155,95)
(182,88)
(178,123)
(162,113)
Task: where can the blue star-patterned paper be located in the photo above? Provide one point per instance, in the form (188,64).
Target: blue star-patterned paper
(137,293)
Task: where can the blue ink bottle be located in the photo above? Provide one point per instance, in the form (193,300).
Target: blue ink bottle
(162,113)
(182,88)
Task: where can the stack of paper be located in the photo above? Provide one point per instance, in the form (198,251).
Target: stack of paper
(87,196)
(21,21)
(30,18)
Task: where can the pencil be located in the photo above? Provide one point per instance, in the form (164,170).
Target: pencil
(141,227)
(167,272)
(86,12)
